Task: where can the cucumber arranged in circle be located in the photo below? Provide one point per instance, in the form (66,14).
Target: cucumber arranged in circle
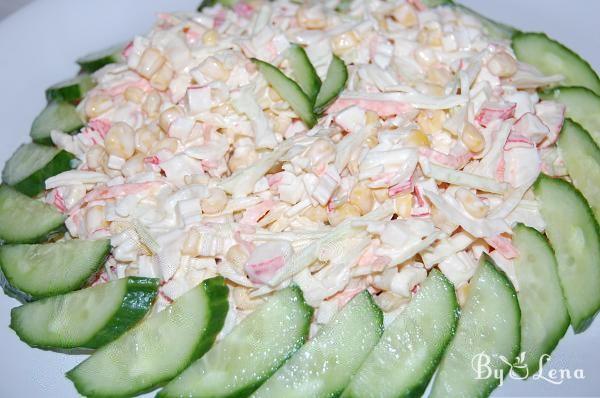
(582,105)
(544,316)
(71,90)
(582,158)
(304,71)
(57,115)
(574,234)
(37,271)
(87,318)
(26,220)
(335,81)
(488,334)
(553,58)
(158,348)
(245,358)
(289,90)
(410,349)
(92,62)
(31,164)
(324,366)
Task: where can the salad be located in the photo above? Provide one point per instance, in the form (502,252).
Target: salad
(276,199)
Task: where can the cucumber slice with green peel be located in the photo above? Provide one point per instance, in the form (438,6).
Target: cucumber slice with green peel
(26,220)
(289,90)
(37,271)
(158,348)
(92,62)
(72,90)
(57,115)
(488,333)
(304,71)
(335,81)
(88,318)
(30,166)
(324,366)
(210,3)
(582,158)
(553,58)
(574,234)
(582,105)
(410,349)
(237,365)
(544,316)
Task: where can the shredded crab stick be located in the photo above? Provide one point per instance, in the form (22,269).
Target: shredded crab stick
(194,163)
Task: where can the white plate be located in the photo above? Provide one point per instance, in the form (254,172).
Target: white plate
(38,46)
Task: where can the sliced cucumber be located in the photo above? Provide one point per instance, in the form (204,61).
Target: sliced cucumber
(92,62)
(410,349)
(304,71)
(582,158)
(210,3)
(26,220)
(583,106)
(87,318)
(436,3)
(38,271)
(289,90)
(574,234)
(57,115)
(253,351)
(72,90)
(553,58)
(157,349)
(544,316)
(335,81)
(324,366)
(488,333)
(30,166)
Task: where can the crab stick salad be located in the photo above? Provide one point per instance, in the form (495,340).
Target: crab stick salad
(194,165)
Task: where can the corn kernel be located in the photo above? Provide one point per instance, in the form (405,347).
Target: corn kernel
(431,121)
(471,203)
(381,194)
(133,166)
(168,116)
(439,76)
(169,144)
(344,42)
(362,197)
(371,118)
(405,15)
(343,212)
(462,293)
(134,94)
(210,37)
(215,202)
(472,138)
(150,62)
(97,105)
(145,138)
(162,78)
(237,256)
(212,68)
(417,138)
(403,205)
(120,140)
(502,65)
(151,105)
(316,214)
(96,157)
(311,18)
